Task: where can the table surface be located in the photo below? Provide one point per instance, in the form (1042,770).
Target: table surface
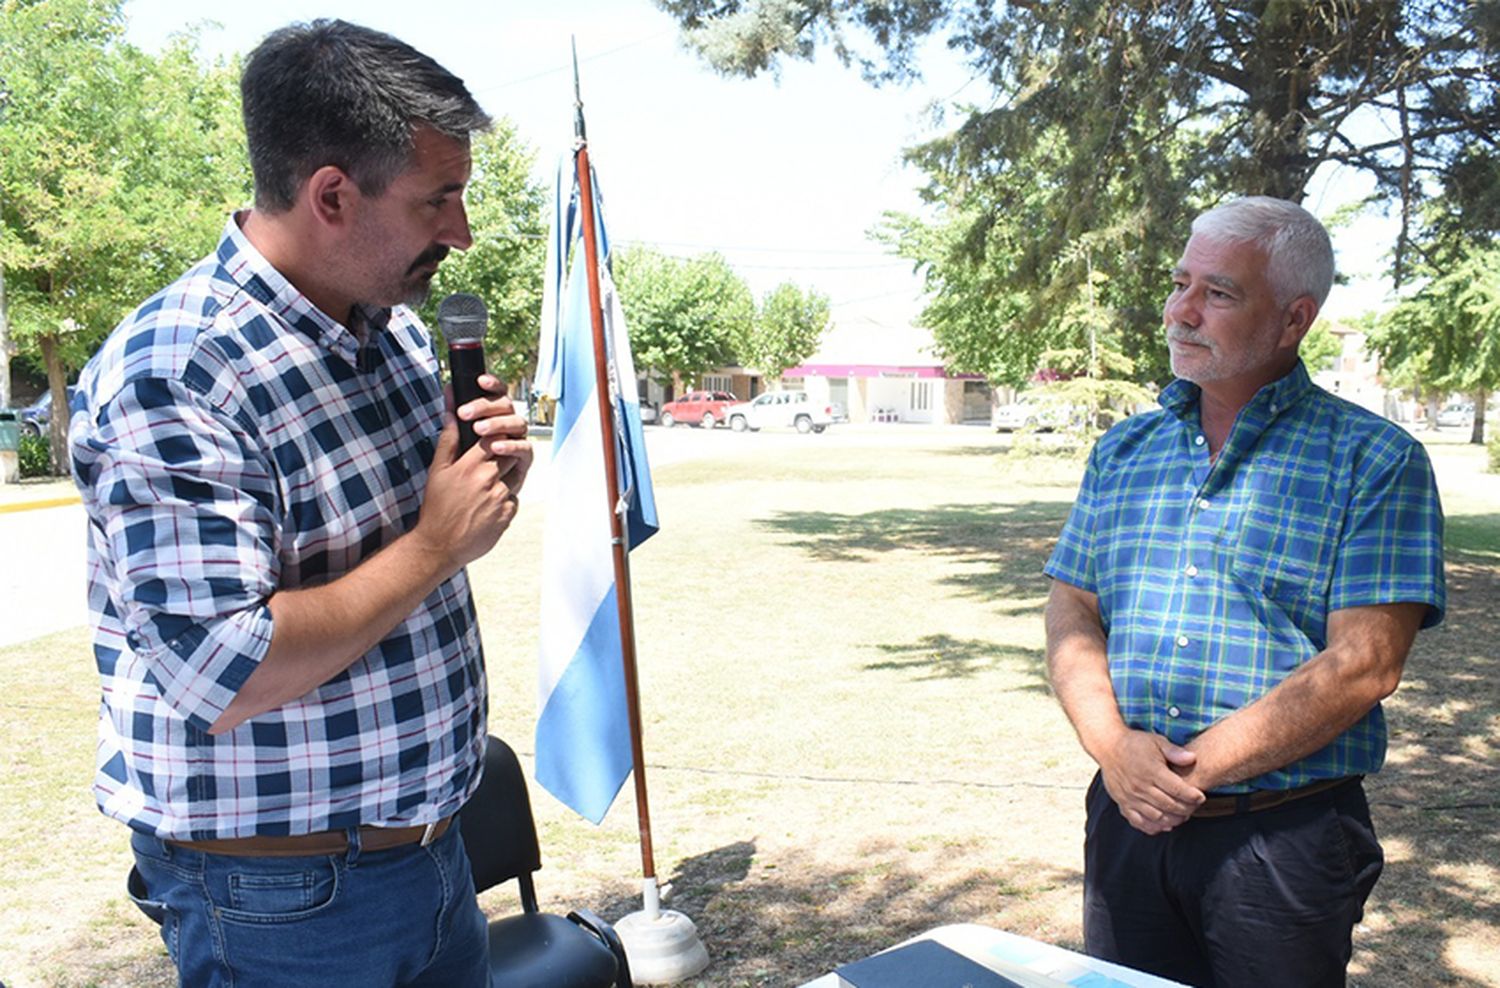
(1028,962)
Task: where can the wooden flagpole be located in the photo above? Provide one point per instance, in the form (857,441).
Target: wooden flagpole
(621,549)
(662,944)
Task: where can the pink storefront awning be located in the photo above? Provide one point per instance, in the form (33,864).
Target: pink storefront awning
(876,370)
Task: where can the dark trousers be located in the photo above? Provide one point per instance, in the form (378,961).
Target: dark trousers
(1260,899)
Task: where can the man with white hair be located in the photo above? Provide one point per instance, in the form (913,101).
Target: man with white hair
(1234,593)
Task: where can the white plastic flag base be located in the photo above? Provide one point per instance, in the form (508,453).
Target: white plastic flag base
(662,951)
(662,945)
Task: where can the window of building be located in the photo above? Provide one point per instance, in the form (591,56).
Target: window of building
(921,396)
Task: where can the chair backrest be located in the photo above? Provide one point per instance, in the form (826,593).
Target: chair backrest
(498,829)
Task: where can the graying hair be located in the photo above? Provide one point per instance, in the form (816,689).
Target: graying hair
(1298,252)
(334,93)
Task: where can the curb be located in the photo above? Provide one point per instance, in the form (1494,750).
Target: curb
(50,502)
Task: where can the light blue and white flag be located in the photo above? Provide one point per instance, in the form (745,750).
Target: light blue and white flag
(583,750)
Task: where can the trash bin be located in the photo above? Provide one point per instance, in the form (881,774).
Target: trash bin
(10,443)
(10,431)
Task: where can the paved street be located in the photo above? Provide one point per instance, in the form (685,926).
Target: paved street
(41,572)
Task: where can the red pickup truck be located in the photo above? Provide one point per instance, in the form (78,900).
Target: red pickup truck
(705,408)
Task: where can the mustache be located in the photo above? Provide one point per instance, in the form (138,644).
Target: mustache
(1178,333)
(431,255)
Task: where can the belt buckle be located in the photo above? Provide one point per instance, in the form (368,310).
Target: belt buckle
(428,832)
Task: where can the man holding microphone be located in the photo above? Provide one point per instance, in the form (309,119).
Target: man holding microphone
(293,690)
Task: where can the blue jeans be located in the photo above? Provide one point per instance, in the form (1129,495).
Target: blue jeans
(401,917)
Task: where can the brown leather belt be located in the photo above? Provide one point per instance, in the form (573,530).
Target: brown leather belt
(323,842)
(1264,799)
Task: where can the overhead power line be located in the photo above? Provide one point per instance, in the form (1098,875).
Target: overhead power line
(569,67)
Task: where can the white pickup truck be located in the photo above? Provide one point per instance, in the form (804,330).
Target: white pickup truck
(780,408)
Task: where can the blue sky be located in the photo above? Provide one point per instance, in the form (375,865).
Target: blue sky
(782,176)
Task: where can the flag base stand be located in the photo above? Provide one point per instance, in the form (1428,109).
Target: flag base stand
(661,944)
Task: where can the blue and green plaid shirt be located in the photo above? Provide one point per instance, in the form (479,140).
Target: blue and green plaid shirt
(1215,580)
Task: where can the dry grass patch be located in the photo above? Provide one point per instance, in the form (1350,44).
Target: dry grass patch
(848,734)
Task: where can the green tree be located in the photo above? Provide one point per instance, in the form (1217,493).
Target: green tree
(683,315)
(1320,348)
(118,170)
(1112,122)
(786,331)
(504,266)
(1446,332)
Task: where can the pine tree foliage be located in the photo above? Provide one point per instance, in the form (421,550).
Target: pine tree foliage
(1111,123)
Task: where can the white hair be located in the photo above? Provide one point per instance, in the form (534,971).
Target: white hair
(1299,254)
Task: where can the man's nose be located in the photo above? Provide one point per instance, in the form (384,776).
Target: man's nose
(1182,307)
(456,232)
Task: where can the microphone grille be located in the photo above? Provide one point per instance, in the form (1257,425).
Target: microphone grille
(462,317)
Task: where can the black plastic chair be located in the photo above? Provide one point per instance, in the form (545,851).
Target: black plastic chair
(532,949)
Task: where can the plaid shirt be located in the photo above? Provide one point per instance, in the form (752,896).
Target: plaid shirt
(230,440)
(1215,580)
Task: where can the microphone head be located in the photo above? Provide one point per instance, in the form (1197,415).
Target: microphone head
(462,317)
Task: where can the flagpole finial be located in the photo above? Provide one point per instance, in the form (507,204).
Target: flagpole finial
(578,128)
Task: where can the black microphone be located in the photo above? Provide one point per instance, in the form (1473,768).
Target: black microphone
(463,318)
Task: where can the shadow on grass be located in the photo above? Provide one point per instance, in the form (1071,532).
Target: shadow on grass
(795,918)
(1007,543)
(1440,797)
(961,451)
(945,657)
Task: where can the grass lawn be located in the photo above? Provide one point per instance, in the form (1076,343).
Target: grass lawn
(848,734)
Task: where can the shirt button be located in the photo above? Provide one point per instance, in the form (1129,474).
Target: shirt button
(1203,504)
(1199,441)
(1174,711)
(1182,641)
(1191,570)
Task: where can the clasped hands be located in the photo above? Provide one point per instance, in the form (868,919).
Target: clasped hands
(1147,776)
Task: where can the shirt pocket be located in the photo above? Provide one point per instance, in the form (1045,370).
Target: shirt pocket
(1286,545)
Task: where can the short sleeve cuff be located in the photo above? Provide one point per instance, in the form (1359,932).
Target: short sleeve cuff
(1395,593)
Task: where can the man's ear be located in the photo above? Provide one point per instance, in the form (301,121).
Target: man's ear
(1297,319)
(330,195)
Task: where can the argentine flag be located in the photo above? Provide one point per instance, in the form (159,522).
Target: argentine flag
(583,750)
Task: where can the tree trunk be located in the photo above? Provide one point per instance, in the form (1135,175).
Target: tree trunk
(4,347)
(57,384)
(1433,403)
(1481,398)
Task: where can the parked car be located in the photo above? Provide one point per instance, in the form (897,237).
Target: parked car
(35,416)
(1027,414)
(780,408)
(705,408)
(1458,414)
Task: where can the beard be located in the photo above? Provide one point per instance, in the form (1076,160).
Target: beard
(1213,362)
(417,287)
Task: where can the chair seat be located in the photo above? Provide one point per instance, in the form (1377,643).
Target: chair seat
(540,950)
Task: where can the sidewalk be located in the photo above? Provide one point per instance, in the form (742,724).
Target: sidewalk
(37,492)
